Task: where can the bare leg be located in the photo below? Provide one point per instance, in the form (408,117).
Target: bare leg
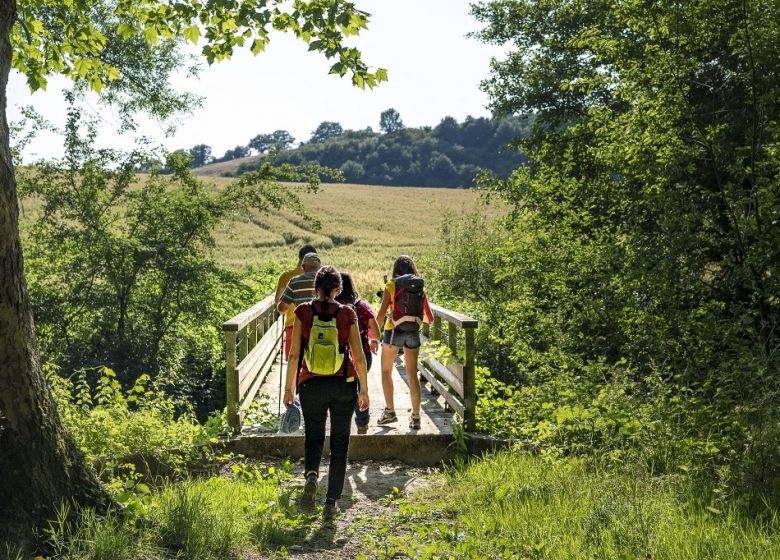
(410,362)
(388,356)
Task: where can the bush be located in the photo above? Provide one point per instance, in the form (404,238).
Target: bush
(119,430)
(581,364)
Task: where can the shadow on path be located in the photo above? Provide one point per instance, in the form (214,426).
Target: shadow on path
(366,486)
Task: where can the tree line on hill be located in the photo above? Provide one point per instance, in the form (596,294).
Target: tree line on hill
(447,155)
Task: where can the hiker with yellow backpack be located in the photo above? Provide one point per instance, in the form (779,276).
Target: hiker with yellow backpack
(404,298)
(322,365)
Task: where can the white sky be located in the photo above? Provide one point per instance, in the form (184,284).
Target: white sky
(434,71)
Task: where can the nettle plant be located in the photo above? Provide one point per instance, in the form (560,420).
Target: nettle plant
(119,430)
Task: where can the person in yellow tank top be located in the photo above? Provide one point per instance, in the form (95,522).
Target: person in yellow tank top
(284,279)
(398,337)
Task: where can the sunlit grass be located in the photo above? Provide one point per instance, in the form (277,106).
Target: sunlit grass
(205,518)
(508,505)
(363,229)
(514,505)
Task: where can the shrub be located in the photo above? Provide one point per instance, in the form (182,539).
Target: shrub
(141,427)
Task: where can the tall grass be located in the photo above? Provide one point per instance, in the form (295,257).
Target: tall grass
(512,505)
(211,518)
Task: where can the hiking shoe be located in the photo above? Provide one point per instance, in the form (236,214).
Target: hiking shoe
(362,429)
(414,421)
(329,511)
(309,491)
(388,417)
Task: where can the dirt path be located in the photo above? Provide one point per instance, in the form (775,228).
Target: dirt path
(365,496)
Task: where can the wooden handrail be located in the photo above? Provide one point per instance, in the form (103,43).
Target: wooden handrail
(245,317)
(458,319)
(252,341)
(455,381)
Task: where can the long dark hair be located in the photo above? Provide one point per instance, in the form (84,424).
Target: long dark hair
(404,265)
(327,280)
(348,291)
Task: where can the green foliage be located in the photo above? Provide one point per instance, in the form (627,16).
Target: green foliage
(122,272)
(325,131)
(630,294)
(235,153)
(448,155)
(77,38)
(200,154)
(119,430)
(390,121)
(513,505)
(276,141)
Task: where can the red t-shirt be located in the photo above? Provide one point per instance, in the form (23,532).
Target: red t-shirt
(344,320)
(364,314)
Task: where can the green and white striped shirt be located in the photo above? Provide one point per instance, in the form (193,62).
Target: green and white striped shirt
(299,289)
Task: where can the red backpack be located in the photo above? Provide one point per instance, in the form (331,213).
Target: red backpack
(408,303)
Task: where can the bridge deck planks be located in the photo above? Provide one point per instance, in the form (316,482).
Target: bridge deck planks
(435,420)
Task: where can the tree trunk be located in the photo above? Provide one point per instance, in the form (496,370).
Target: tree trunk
(40,467)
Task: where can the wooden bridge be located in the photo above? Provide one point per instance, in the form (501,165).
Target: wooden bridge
(446,367)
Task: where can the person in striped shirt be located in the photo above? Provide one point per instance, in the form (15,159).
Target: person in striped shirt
(300,289)
(284,279)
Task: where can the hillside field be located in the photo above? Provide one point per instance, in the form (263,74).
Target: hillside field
(229,167)
(363,229)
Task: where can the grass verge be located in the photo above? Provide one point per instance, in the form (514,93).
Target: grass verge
(208,518)
(513,505)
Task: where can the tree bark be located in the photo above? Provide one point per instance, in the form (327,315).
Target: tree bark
(40,466)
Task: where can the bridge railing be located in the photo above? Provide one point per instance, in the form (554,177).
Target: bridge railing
(453,380)
(252,343)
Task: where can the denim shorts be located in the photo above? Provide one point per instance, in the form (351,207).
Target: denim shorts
(400,339)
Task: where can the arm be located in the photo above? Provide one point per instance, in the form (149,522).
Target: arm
(285,300)
(380,316)
(279,291)
(374,334)
(360,364)
(292,363)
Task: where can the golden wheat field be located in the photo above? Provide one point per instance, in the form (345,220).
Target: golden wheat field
(363,229)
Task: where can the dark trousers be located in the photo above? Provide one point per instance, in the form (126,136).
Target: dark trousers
(361,416)
(320,396)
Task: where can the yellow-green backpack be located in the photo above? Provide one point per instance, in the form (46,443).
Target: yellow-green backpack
(322,354)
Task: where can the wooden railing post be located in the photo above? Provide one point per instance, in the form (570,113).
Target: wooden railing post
(452,339)
(437,328)
(469,387)
(243,343)
(231,380)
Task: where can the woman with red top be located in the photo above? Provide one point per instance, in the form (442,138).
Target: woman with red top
(331,393)
(369,335)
